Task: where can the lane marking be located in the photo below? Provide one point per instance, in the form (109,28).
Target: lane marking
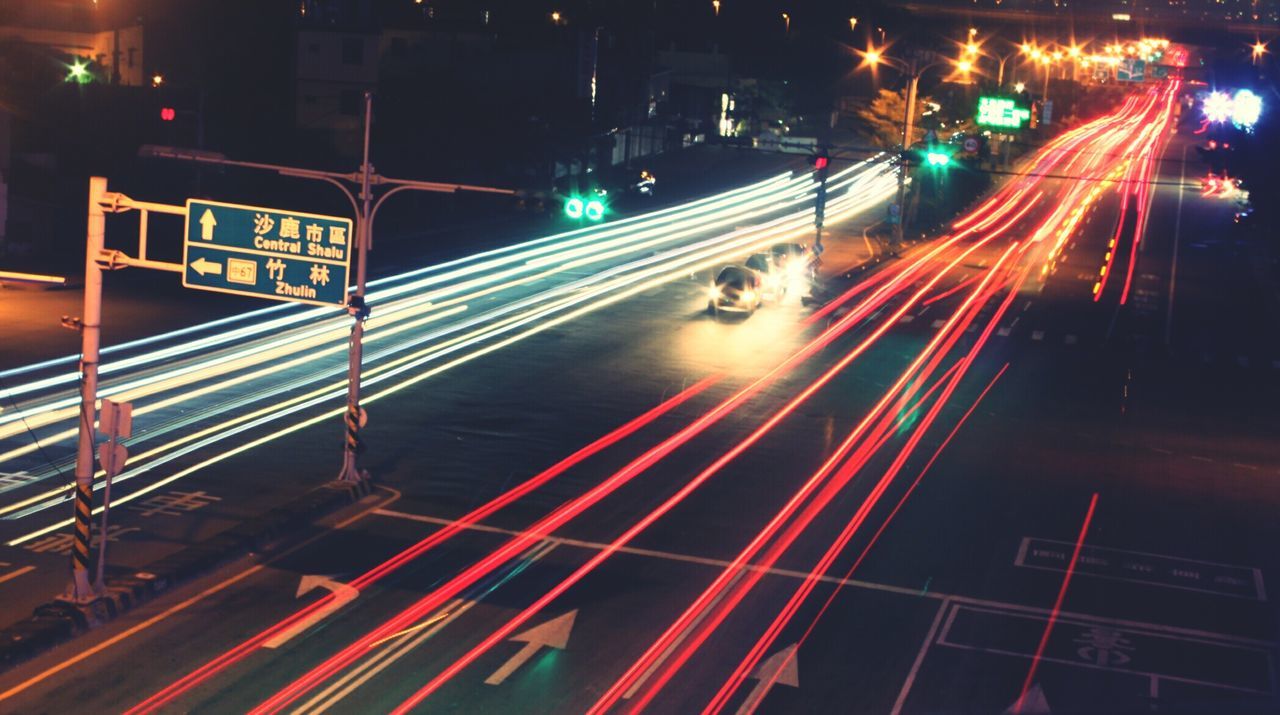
(1004,332)
(1173,266)
(182,606)
(1057,605)
(337,691)
(1130,651)
(16,573)
(924,648)
(664,555)
(1037,335)
(1148,569)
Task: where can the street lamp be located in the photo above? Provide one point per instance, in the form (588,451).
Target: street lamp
(853,24)
(976,50)
(786,20)
(1259,49)
(715,5)
(913,70)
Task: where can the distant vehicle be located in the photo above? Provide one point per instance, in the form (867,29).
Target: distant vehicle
(645,184)
(737,289)
(794,261)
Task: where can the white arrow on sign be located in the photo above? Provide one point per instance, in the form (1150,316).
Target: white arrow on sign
(552,634)
(207,222)
(342,595)
(778,669)
(203,266)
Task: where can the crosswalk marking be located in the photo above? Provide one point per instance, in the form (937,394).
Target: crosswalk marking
(939,323)
(1004,331)
(1037,335)
(907,319)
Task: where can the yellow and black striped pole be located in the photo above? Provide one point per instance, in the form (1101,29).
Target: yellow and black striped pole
(80,589)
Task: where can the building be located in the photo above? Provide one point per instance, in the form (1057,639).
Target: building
(112,40)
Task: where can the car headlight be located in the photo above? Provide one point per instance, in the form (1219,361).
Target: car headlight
(795,268)
(714,293)
(748,296)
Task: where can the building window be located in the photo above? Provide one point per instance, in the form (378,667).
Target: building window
(349,102)
(353,50)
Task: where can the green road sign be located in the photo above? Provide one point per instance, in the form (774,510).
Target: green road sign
(1002,112)
(1131,70)
(268,253)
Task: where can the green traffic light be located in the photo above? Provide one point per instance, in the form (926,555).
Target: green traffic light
(937,158)
(573,207)
(594,210)
(78,72)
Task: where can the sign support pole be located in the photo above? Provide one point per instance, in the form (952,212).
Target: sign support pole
(354,416)
(80,590)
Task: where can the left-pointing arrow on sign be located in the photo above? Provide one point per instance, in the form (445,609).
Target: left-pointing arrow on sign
(204,266)
(342,595)
(207,222)
(552,634)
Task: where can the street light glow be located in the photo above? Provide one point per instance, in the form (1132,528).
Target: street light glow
(873,57)
(1217,107)
(1246,108)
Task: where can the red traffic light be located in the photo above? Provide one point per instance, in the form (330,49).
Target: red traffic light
(167,114)
(819,162)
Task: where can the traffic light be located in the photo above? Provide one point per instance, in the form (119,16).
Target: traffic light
(167,114)
(576,208)
(937,158)
(821,168)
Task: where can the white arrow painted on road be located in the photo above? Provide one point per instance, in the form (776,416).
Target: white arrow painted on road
(207,222)
(552,634)
(342,595)
(1033,703)
(778,669)
(203,266)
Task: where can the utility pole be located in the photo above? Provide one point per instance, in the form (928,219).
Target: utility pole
(355,417)
(80,590)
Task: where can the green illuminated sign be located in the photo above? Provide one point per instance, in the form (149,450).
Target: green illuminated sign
(1001,112)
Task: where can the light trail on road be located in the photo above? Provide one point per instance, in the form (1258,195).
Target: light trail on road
(993,219)
(862,184)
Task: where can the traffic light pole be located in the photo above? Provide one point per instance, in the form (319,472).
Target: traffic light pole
(354,418)
(80,590)
(366,210)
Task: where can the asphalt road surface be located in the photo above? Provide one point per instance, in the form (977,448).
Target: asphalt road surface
(977,477)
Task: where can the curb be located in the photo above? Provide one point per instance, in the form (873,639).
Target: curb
(58,621)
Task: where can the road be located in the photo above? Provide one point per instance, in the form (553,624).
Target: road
(961,483)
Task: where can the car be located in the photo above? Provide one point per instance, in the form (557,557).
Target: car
(736,289)
(794,261)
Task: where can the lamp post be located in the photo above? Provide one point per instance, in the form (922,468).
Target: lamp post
(913,69)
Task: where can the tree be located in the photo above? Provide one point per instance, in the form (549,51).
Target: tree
(882,118)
